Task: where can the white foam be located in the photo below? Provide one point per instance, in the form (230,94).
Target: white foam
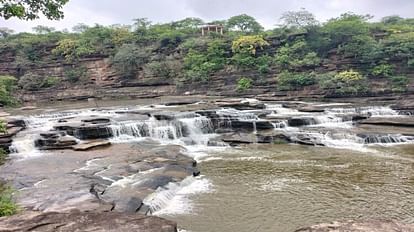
(175,197)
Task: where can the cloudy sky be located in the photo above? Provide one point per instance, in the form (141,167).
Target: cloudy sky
(267,12)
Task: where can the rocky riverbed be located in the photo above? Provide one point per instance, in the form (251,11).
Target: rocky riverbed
(141,158)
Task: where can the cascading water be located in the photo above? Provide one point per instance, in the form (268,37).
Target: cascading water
(368,110)
(197,128)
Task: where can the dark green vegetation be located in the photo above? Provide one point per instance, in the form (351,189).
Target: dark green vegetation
(7,205)
(344,56)
(30,9)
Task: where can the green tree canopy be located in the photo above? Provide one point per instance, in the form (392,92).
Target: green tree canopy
(244,23)
(30,9)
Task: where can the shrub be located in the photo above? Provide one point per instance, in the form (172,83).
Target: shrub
(7,205)
(244,83)
(3,129)
(410,63)
(264,63)
(296,55)
(30,81)
(49,82)
(349,77)
(383,70)
(7,86)
(129,58)
(399,83)
(169,68)
(292,81)
(346,82)
(249,44)
(75,74)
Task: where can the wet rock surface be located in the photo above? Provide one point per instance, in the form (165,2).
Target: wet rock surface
(85,221)
(360,226)
(13,126)
(117,178)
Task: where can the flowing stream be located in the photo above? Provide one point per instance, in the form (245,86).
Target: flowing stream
(345,171)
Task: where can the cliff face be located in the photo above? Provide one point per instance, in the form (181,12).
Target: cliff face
(102,81)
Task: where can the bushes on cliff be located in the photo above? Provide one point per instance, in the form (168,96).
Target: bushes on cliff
(383,70)
(294,81)
(296,55)
(399,83)
(75,74)
(7,86)
(344,83)
(168,68)
(244,83)
(129,59)
(246,53)
(199,64)
(32,81)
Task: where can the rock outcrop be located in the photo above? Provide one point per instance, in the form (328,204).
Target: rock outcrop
(13,127)
(85,221)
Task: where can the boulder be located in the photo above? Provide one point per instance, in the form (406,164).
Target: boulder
(360,226)
(54,141)
(92,132)
(272,137)
(306,139)
(85,221)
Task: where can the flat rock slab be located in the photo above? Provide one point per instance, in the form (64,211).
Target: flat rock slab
(85,221)
(91,144)
(396,121)
(367,226)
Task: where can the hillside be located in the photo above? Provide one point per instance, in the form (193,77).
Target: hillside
(348,56)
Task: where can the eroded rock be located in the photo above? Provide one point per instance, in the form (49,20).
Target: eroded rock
(85,221)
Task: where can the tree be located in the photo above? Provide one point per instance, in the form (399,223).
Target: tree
(392,19)
(244,23)
(342,29)
(7,87)
(301,19)
(30,9)
(39,29)
(80,27)
(5,32)
(296,55)
(191,23)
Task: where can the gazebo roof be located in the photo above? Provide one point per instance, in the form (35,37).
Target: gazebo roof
(211,25)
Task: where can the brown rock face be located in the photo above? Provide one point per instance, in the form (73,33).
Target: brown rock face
(353,226)
(85,221)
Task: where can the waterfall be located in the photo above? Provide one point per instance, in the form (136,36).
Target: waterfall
(192,126)
(387,139)
(173,198)
(368,110)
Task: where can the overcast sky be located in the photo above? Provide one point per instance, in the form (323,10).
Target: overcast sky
(267,12)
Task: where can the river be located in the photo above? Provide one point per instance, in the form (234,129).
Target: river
(331,168)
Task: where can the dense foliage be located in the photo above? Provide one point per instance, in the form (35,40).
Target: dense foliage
(7,205)
(30,9)
(298,53)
